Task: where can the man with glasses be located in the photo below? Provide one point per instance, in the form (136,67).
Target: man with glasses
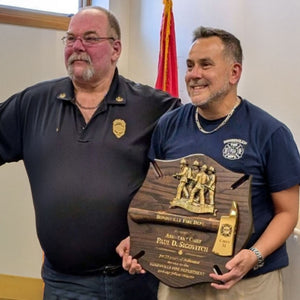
(84,141)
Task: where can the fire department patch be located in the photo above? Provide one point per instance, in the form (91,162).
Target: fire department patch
(234,149)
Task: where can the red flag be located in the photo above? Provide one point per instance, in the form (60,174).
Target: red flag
(167,77)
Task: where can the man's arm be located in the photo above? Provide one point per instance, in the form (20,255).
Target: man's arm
(286,206)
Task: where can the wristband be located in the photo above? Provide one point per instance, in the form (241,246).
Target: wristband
(260,259)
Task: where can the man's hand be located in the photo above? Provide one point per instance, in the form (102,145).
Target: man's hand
(237,268)
(129,263)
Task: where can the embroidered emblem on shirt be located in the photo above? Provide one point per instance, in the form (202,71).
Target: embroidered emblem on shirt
(119,128)
(234,149)
(62,96)
(119,99)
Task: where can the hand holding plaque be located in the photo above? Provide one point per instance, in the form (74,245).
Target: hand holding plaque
(190,215)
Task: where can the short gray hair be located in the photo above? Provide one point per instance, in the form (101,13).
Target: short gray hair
(232,44)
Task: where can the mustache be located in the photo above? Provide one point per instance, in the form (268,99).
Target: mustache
(83,56)
(197,82)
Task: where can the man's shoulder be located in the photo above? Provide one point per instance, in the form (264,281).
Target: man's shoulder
(135,86)
(257,111)
(183,112)
(261,116)
(46,85)
(261,124)
(140,89)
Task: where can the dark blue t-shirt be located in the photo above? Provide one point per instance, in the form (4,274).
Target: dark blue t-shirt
(252,142)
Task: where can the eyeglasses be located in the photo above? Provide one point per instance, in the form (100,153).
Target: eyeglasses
(87,41)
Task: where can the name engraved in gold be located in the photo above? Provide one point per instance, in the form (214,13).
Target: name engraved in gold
(161,241)
(189,246)
(183,242)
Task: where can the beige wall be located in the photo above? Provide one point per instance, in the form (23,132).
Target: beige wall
(269,34)
(28,55)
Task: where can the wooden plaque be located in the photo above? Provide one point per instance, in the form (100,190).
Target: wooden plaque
(189,215)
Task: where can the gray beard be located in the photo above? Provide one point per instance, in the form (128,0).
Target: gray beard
(216,96)
(86,76)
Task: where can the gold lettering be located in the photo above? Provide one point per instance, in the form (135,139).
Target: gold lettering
(174,243)
(161,241)
(197,241)
(189,271)
(169,236)
(191,261)
(193,247)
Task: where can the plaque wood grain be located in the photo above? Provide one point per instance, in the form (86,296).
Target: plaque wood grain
(177,243)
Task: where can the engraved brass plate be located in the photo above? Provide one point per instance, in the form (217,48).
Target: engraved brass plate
(189,215)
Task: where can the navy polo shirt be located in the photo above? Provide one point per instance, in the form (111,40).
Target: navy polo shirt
(82,176)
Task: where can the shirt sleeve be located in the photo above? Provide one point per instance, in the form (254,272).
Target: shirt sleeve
(10,130)
(283,161)
(156,146)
